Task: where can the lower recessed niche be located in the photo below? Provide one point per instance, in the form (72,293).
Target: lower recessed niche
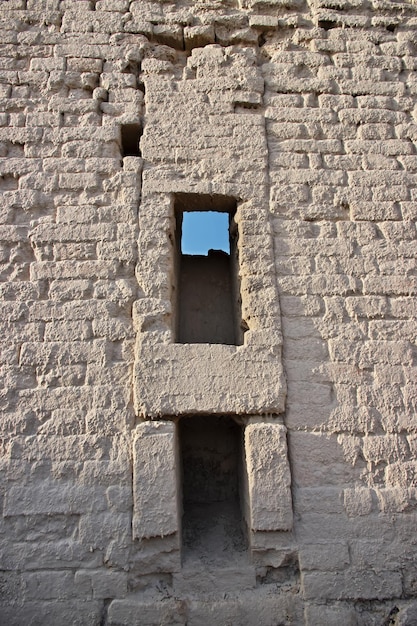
(213,530)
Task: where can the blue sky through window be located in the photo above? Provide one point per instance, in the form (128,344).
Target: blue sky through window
(204,230)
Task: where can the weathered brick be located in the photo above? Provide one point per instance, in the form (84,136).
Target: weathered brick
(352,583)
(154,516)
(333,556)
(51,498)
(73,269)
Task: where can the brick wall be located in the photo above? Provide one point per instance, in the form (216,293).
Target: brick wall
(305,113)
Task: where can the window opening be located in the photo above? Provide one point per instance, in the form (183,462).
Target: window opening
(213,529)
(207,273)
(131,134)
(203,231)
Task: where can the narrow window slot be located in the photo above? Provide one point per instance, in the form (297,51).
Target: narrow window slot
(211,455)
(208,301)
(130,135)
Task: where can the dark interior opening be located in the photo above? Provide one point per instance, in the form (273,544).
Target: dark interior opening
(327,24)
(212,469)
(131,134)
(208,291)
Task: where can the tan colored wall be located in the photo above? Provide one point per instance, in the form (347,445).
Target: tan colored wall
(305,114)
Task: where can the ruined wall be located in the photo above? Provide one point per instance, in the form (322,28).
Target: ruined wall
(304,115)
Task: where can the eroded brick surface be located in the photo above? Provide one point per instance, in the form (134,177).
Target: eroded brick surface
(305,114)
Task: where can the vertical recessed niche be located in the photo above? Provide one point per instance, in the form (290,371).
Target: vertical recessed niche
(208,304)
(212,472)
(130,137)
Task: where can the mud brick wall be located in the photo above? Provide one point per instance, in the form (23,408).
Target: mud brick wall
(303,113)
